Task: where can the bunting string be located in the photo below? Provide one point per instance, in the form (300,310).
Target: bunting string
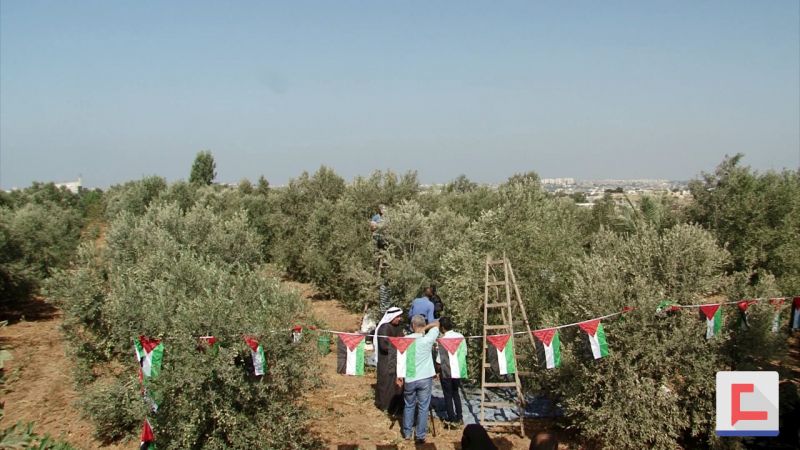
(557,327)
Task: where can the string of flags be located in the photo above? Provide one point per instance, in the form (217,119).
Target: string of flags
(452,351)
(149,354)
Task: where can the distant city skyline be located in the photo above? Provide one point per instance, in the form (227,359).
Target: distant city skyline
(114,91)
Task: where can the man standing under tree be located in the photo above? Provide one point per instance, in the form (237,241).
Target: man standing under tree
(438,304)
(417,389)
(387,393)
(423,306)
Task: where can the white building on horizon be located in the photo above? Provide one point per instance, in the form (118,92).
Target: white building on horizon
(72,186)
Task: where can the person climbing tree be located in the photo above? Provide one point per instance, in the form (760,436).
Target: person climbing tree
(375,224)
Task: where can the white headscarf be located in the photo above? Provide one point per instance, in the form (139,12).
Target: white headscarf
(390,314)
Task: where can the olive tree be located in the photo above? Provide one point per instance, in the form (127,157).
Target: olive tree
(178,275)
(656,387)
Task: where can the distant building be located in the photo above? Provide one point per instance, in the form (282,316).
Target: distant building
(558,181)
(72,186)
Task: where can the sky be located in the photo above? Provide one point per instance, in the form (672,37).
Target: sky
(114,91)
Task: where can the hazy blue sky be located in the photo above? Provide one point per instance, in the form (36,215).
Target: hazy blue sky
(115,90)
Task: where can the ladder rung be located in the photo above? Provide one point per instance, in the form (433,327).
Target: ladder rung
(524,373)
(496,283)
(497,262)
(497,305)
(500,404)
(504,384)
(496,327)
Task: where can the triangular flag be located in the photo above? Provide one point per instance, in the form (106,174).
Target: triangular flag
(453,357)
(667,306)
(548,347)
(257,353)
(207,342)
(744,320)
(147,440)
(597,337)
(406,356)
(713,314)
(297,334)
(350,354)
(504,351)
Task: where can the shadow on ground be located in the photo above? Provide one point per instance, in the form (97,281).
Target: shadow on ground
(30,309)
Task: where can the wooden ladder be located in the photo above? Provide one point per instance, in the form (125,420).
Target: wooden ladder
(501,294)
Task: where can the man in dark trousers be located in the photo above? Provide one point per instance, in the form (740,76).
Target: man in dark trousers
(438,305)
(450,381)
(388,397)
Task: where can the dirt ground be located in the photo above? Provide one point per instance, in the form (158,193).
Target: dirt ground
(39,384)
(343,406)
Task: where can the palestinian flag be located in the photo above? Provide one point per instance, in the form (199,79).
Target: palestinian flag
(453,355)
(597,337)
(209,342)
(350,354)
(297,334)
(149,354)
(777,305)
(795,313)
(506,362)
(713,314)
(744,320)
(147,439)
(406,356)
(667,306)
(548,347)
(257,352)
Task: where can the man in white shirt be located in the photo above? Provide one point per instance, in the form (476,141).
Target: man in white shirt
(417,388)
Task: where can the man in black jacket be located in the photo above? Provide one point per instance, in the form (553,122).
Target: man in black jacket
(438,305)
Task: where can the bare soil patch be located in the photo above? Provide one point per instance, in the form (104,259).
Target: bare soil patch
(39,386)
(344,414)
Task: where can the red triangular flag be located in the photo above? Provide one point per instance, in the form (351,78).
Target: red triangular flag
(148,344)
(450,344)
(546,335)
(776,302)
(590,326)
(401,343)
(147,433)
(252,343)
(709,310)
(210,340)
(499,340)
(351,341)
(744,304)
